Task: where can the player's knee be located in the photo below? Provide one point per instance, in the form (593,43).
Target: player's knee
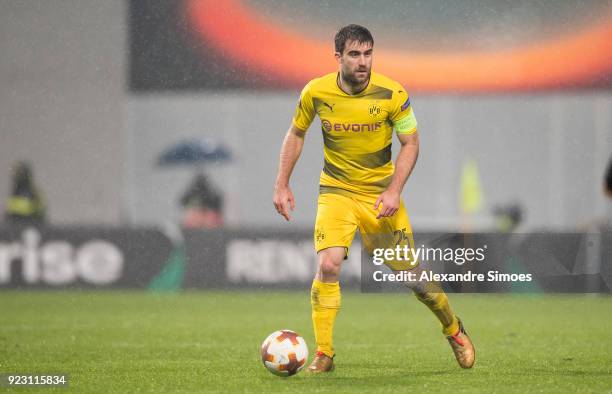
(328,267)
(418,289)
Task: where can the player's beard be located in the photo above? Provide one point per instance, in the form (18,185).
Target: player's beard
(351,78)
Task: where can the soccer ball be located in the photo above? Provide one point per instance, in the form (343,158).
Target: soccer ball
(284,353)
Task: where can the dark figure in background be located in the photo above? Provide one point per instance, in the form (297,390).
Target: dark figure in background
(508,217)
(203,205)
(25,205)
(608,180)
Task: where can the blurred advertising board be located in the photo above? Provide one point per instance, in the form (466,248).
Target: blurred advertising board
(99,258)
(468,263)
(81,257)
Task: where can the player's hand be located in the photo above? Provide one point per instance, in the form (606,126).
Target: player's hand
(283,201)
(390,201)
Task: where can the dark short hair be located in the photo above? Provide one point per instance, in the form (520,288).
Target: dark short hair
(354,33)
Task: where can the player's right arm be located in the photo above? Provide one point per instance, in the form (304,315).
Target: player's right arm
(290,152)
(289,155)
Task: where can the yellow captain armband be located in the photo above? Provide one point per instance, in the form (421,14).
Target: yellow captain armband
(406,125)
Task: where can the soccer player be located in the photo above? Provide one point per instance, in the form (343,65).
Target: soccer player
(359,185)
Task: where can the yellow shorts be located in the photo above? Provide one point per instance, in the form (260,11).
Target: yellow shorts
(340,213)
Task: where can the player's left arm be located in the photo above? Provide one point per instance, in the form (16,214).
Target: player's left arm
(406,159)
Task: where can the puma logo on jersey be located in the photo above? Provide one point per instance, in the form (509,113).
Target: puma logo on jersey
(331,107)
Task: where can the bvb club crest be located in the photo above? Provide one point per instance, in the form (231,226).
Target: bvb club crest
(320,235)
(374,110)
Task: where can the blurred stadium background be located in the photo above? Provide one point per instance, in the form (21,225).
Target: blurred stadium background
(513,99)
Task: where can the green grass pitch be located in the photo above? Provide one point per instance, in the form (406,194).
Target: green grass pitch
(209,341)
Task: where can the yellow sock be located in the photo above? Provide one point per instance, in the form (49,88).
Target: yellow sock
(436,300)
(325,301)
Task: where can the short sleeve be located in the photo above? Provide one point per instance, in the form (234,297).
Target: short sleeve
(402,115)
(304,110)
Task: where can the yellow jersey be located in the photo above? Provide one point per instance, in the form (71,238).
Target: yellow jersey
(357,130)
